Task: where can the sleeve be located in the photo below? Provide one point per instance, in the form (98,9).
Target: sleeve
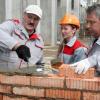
(94,59)
(91,61)
(79,54)
(6,39)
(98,61)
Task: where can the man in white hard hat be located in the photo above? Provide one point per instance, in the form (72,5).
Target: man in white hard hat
(19,42)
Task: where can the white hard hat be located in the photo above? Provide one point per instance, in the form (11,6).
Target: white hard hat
(34,9)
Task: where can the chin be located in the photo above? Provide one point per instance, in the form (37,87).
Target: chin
(30,28)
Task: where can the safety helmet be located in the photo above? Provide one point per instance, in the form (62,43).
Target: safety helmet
(34,9)
(70,19)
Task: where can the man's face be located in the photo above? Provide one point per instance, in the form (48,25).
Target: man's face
(30,21)
(93,25)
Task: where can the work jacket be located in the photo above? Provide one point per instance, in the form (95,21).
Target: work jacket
(94,56)
(73,51)
(11,33)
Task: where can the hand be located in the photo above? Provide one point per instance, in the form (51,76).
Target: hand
(23,52)
(81,66)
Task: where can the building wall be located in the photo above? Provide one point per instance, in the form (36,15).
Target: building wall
(2,10)
(46,21)
(53,10)
(25,86)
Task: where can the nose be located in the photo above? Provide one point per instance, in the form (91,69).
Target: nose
(32,20)
(87,26)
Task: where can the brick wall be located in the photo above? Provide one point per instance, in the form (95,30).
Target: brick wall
(29,87)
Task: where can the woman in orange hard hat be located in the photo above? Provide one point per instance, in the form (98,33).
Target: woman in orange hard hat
(71,49)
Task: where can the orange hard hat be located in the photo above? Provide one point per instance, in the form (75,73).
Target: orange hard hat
(70,19)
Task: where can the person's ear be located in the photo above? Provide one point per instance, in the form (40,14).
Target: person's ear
(74,30)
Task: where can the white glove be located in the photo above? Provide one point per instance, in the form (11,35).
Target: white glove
(81,66)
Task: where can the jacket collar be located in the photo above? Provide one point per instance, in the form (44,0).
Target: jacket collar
(33,36)
(20,27)
(98,41)
(71,41)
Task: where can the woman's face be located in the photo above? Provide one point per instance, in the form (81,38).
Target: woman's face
(67,31)
(30,21)
(93,25)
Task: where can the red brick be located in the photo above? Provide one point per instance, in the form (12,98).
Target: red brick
(15,98)
(70,95)
(15,79)
(55,93)
(26,91)
(83,84)
(42,99)
(5,89)
(1,97)
(70,73)
(91,96)
(47,81)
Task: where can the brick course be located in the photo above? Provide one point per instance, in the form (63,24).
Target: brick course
(91,96)
(14,98)
(26,91)
(47,82)
(5,89)
(14,79)
(64,94)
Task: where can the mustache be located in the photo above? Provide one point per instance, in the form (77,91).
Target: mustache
(31,24)
(87,30)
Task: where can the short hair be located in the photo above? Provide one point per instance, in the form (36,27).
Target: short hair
(94,8)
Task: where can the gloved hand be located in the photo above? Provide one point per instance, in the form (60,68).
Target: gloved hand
(81,66)
(23,52)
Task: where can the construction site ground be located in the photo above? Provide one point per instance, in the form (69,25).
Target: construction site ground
(50,53)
